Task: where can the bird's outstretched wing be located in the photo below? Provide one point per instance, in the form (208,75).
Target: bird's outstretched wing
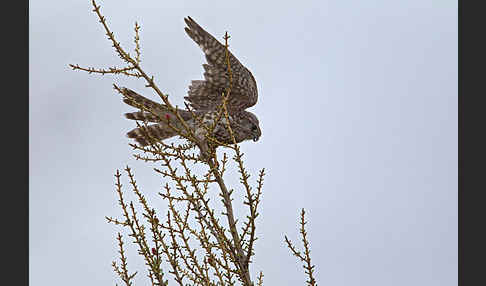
(207,94)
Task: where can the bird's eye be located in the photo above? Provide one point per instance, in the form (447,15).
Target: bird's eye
(253,128)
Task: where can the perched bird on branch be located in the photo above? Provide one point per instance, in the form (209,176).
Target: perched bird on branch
(205,97)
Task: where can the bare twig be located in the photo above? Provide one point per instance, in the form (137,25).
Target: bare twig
(218,257)
(305,258)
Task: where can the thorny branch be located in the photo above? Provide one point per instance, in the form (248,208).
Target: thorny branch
(190,214)
(192,244)
(305,258)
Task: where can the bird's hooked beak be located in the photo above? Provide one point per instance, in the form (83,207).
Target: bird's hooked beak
(256,132)
(255,138)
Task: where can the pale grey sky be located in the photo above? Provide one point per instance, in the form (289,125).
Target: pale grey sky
(358,109)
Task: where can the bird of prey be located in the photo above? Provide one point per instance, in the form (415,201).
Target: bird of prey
(204,97)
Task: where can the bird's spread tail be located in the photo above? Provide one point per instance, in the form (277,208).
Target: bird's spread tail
(150,134)
(134,99)
(159,114)
(142,116)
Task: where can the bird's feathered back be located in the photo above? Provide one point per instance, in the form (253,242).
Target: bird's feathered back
(207,94)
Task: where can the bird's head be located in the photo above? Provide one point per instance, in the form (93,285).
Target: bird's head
(252,126)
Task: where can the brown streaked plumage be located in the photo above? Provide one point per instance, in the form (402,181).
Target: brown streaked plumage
(204,96)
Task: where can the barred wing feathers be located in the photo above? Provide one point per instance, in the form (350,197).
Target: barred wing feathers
(207,94)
